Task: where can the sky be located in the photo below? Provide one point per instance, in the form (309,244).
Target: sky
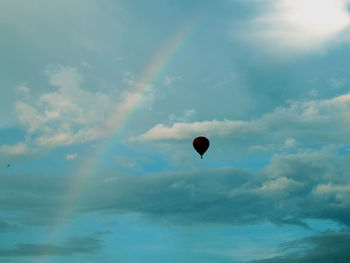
(101,100)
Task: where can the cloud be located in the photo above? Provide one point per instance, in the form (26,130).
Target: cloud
(71,156)
(329,247)
(16,150)
(126,162)
(289,27)
(23,89)
(182,130)
(70,114)
(32,199)
(169,80)
(301,123)
(285,192)
(188,114)
(66,115)
(290,143)
(89,245)
(293,188)
(6,227)
(338,193)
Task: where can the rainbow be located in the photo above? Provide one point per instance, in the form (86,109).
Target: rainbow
(114,125)
(123,112)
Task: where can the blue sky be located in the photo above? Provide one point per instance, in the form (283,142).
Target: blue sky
(100,102)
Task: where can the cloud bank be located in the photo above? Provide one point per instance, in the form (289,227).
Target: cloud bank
(6,227)
(89,245)
(302,123)
(329,247)
(294,187)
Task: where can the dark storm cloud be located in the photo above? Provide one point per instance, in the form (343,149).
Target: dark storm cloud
(76,245)
(326,248)
(291,189)
(6,227)
(194,197)
(31,198)
(316,185)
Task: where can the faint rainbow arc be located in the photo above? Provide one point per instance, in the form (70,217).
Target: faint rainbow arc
(118,120)
(114,125)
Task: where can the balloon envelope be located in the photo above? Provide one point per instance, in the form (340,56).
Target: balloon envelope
(201,144)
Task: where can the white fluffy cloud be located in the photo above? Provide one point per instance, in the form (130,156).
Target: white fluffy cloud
(340,193)
(66,115)
(298,26)
(300,123)
(71,156)
(183,130)
(70,114)
(19,149)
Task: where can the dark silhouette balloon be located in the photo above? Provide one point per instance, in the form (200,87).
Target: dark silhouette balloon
(201,145)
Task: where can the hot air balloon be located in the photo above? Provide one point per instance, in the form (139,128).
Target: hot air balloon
(201,144)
